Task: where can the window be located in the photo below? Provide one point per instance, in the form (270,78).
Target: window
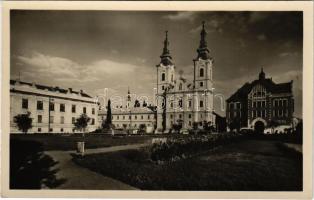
(73,108)
(84,110)
(201,104)
(73,120)
(190,116)
(190,123)
(61,129)
(40,105)
(171,77)
(180,116)
(39,118)
(258,104)
(39,129)
(190,103)
(135,117)
(51,106)
(163,76)
(180,103)
(148,116)
(51,118)
(171,104)
(280,103)
(258,113)
(93,111)
(93,121)
(201,84)
(201,72)
(170,116)
(130,117)
(143,117)
(50,130)
(123,117)
(62,120)
(25,103)
(276,103)
(180,86)
(62,107)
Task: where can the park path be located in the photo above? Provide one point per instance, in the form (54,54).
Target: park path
(81,178)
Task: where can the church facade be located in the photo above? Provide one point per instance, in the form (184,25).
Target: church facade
(180,101)
(261,103)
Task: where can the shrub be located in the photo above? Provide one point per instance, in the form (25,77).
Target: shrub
(173,149)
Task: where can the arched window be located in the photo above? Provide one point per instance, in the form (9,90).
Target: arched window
(201,72)
(163,76)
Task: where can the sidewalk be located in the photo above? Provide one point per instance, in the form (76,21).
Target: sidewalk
(81,178)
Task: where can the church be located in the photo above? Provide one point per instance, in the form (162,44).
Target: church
(188,103)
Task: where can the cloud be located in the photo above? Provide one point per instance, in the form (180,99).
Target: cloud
(92,77)
(181,16)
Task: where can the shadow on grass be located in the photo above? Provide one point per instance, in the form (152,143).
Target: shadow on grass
(30,168)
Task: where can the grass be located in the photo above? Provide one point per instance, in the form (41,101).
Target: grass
(60,142)
(249,165)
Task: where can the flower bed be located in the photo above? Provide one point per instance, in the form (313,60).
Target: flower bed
(173,149)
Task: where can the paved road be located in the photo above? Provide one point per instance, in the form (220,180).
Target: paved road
(81,178)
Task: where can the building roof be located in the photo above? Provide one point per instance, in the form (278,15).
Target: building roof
(268,83)
(51,89)
(125,111)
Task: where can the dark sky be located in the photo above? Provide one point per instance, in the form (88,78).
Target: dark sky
(93,50)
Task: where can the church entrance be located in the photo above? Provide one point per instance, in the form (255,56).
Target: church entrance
(259,127)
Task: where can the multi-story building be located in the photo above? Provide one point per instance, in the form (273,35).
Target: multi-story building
(53,109)
(180,101)
(134,115)
(261,103)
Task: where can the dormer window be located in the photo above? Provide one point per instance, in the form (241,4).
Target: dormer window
(202,72)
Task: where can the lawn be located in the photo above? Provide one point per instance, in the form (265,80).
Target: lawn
(68,142)
(249,165)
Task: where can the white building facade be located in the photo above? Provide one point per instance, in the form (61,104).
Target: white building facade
(180,101)
(131,115)
(53,109)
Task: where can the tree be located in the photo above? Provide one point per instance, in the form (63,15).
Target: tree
(208,126)
(142,128)
(82,122)
(177,127)
(23,122)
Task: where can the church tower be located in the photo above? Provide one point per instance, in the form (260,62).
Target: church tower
(203,65)
(165,69)
(165,81)
(203,82)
